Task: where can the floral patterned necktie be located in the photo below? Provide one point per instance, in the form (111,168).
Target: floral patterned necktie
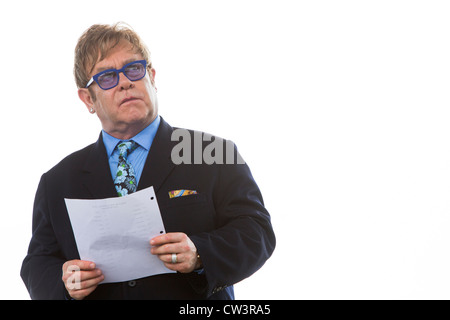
(125,181)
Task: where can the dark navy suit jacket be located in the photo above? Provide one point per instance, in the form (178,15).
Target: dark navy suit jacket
(226,220)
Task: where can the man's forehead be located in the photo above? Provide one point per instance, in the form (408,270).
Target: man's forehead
(117,57)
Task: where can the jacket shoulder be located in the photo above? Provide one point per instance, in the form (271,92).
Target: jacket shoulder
(73,162)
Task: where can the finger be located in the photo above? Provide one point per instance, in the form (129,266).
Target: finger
(82,279)
(179,267)
(168,248)
(168,238)
(85,284)
(92,282)
(73,272)
(83,293)
(73,265)
(172,266)
(86,275)
(185,262)
(167,258)
(86,265)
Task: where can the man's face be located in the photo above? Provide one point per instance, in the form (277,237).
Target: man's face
(129,107)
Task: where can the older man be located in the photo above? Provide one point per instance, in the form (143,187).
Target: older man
(218,232)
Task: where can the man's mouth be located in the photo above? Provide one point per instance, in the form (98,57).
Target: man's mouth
(127,100)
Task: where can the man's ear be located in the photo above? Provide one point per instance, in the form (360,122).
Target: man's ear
(87,98)
(152,73)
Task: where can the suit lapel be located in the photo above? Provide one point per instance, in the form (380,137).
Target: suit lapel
(158,164)
(96,175)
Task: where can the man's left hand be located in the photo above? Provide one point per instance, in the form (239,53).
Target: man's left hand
(178,243)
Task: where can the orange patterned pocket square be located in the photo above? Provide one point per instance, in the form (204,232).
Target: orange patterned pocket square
(181,193)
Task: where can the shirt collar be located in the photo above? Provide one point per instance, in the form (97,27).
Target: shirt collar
(143,138)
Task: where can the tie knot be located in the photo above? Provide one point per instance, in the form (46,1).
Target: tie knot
(126,147)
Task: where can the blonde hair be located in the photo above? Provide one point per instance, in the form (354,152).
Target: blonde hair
(95,44)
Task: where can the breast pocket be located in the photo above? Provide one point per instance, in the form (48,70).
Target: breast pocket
(189,214)
(193,199)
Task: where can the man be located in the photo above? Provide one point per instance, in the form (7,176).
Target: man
(217,234)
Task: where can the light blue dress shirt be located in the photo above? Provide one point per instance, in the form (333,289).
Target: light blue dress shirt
(138,157)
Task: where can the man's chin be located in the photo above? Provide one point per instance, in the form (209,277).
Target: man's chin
(136,121)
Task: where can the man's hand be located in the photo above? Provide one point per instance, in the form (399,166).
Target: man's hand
(81,278)
(180,244)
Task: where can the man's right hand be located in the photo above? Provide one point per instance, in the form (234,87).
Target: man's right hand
(81,278)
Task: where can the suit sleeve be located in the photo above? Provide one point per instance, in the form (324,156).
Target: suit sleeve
(42,267)
(244,239)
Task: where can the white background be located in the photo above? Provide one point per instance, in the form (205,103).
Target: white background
(340,108)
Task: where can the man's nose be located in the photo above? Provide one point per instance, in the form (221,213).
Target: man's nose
(124,82)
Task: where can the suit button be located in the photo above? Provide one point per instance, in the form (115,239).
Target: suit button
(132,283)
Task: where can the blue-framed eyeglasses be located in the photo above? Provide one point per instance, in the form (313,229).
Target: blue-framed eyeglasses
(108,79)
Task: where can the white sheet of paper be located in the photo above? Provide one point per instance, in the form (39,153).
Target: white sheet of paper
(115,233)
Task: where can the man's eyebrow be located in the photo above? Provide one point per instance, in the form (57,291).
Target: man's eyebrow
(109,67)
